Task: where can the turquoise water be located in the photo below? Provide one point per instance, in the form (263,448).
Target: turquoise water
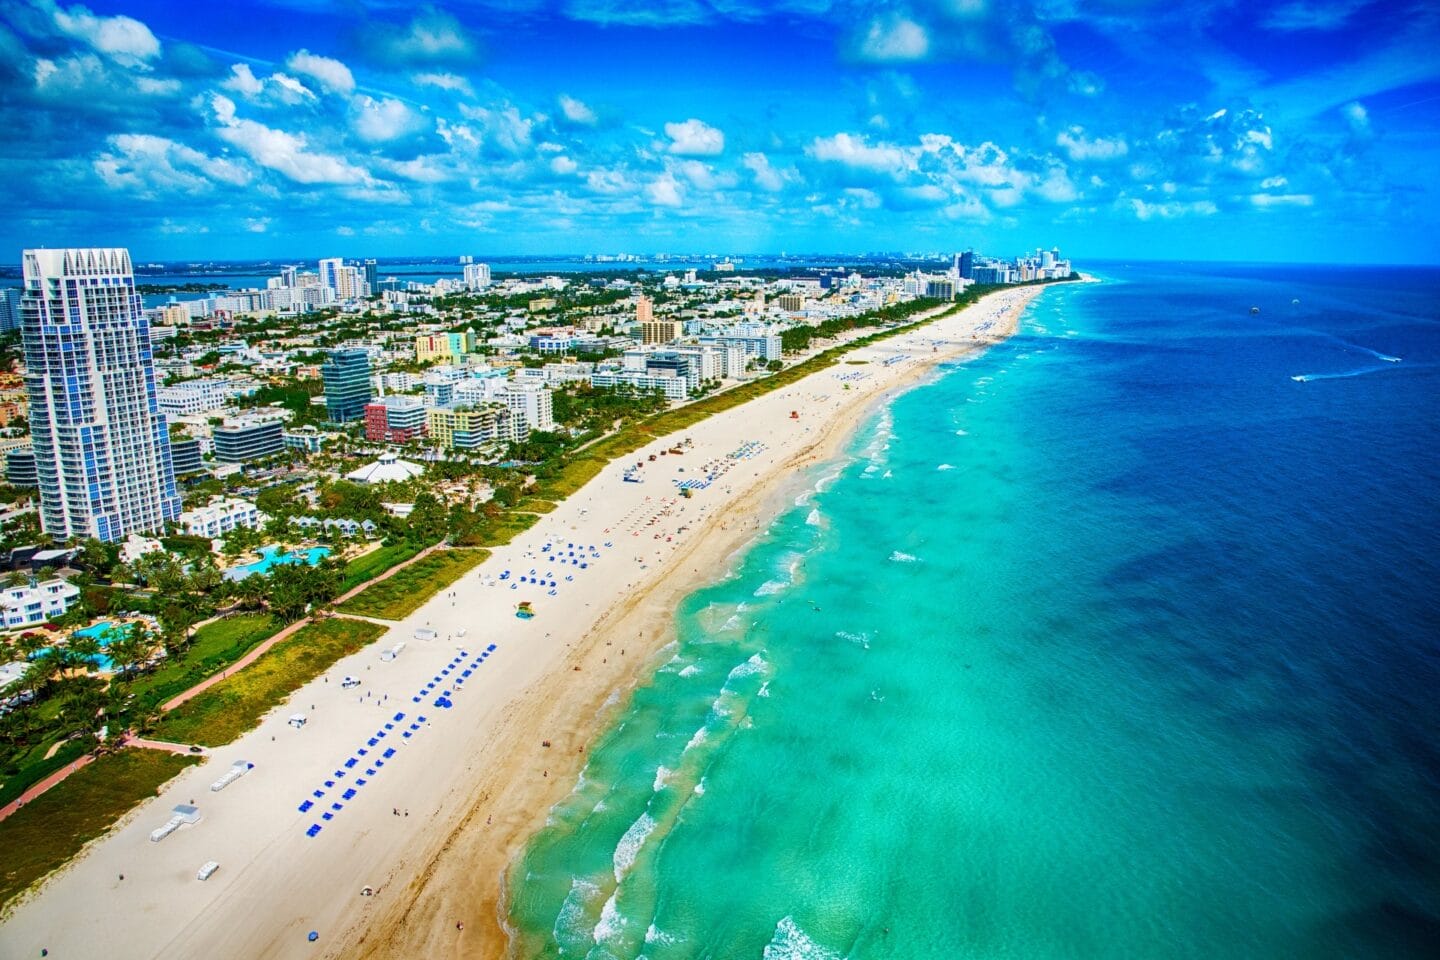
(105,632)
(271,555)
(1118,641)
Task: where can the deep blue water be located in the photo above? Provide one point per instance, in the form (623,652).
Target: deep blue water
(1117,641)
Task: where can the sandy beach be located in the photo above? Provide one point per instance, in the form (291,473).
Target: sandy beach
(445,795)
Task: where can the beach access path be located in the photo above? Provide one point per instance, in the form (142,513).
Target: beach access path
(472,767)
(250,657)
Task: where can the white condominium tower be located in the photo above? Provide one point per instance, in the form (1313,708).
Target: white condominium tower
(101,447)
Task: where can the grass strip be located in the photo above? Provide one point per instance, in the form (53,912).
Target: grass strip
(376,562)
(237,703)
(49,830)
(402,594)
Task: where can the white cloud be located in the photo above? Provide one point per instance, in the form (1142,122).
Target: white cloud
(257,224)
(1171,209)
(665,191)
(243,81)
(1320,15)
(894,39)
(1357,116)
(444,81)
(1273,183)
(1267,200)
(704,176)
(576,111)
(380,120)
(432,37)
(123,39)
(766,176)
(1081,147)
(563,165)
(285,153)
(506,128)
(148,164)
(694,138)
(856,151)
(331,74)
(289,90)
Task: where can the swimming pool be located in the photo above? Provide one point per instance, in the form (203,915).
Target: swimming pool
(271,555)
(105,633)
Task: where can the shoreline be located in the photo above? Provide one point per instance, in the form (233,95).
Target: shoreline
(477,777)
(468,875)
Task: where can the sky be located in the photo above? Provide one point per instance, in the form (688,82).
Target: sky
(1277,130)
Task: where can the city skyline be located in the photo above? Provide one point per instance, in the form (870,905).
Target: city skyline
(1115,130)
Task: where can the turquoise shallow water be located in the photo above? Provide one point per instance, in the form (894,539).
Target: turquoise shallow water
(1117,641)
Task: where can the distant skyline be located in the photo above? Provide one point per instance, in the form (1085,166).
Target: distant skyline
(1298,130)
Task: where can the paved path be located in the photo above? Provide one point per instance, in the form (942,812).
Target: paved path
(43,785)
(199,688)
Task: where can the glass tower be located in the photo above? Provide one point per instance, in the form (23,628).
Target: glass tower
(102,452)
(347,384)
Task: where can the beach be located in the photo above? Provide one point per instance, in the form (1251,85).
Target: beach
(506,707)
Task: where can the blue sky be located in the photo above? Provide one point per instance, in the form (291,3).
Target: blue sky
(1218,129)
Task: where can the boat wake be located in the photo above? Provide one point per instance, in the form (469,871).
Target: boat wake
(1343,375)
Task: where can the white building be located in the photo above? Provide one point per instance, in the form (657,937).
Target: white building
(197,396)
(101,448)
(219,517)
(477,276)
(24,606)
(674,388)
(531,400)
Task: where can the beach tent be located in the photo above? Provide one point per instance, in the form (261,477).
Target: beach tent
(297,720)
(425,633)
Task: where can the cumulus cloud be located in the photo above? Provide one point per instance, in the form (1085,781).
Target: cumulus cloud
(444,81)
(378,121)
(150,165)
(286,153)
(855,151)
(694,138)
(576,111)
(276,88)
(433,37)
(1080,147)
(665,191)
(331,74)
(123,39)
(766,176)
(893,39)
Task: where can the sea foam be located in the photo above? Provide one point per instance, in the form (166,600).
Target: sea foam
(792,943)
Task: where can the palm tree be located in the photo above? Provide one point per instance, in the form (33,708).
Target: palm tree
(17,578)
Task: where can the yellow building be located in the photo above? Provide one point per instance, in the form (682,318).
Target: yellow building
(661,331)
(465,426)
(441,347)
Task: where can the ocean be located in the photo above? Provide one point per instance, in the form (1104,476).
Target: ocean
(1119,640)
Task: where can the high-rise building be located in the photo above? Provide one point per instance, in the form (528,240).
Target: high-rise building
(102,452)
(330,273)
(347,384)
(288,276)
(967,265)
(372,277)
(245,438)
(644,310)
(477,276)
(661,331)
(10,308)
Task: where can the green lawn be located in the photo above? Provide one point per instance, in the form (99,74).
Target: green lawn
(31,766)
(215,646)
(49,830)
(534,505)
(376,562)
(237,703)
(402,594)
